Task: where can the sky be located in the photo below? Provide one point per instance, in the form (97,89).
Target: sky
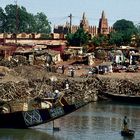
(58,11)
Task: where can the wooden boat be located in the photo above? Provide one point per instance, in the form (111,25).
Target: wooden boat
(123,98)
(34,117)
(128,133)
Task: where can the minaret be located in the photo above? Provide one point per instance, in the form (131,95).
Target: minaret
(103,15)
(103,25)
(84,23)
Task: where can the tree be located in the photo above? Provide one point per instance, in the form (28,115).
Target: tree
(79,38)
(25,20)
(126,29)
(136,38)
(124,25)
(2,20)
(69,38)
(116,38)
(31,27)
(99,40)
(10,12)
(42,23)
(16,19)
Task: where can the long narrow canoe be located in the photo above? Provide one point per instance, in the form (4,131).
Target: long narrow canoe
(26,119)
(123,98)
(128,133)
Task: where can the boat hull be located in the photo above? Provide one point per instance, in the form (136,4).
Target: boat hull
(123,98)
(128,133)
(26,119)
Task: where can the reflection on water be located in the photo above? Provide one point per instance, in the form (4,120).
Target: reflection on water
(96,121)
(25,134)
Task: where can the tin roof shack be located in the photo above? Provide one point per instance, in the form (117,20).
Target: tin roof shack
(56,47)
(134,58)
(91,59)
(76,50)
(76,55)
(119,57)
(56,57)
(105,67)
(73,53)
(38,57)
(32,53)
(41,57)
(22,54)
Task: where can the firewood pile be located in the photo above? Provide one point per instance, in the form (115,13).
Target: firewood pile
(121,86)
(33,88)
(14,62)
(21,90)
(37,83)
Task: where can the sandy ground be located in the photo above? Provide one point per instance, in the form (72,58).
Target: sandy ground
(121,75)
(124,75)
(10,75)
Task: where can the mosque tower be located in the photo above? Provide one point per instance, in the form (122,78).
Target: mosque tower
(103,25)
(84,23)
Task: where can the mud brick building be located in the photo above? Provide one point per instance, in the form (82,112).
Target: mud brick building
(103,27)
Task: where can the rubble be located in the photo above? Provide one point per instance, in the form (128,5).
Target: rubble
(35,81)
(14,61)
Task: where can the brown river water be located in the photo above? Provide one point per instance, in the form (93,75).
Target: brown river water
(95,121)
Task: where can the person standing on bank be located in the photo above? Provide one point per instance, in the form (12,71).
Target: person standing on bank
(66,84)
(72,72)
(63,69)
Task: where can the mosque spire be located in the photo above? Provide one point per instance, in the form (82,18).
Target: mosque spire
(84,16)
(103,25)
(84,22)
(103,14)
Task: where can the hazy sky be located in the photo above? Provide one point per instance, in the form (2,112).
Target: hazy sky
(58,11)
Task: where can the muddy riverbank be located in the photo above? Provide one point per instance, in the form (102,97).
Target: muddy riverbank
(22,82)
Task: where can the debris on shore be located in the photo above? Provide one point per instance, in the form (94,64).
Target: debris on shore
(26,81)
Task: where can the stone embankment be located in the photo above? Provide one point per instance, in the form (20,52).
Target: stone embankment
(31,82)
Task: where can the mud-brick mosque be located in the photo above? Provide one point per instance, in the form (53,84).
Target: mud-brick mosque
(102,28)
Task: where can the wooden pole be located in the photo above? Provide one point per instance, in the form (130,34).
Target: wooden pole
(70,16)
(55,128)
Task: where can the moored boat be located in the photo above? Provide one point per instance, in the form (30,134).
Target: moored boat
(128,133)
(123,97)
(29,118)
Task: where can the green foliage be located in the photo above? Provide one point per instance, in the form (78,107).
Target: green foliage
(31,27)
(99,40)
(138,29)
(136,39)
(79,38)
(16,17)
(116,38)
(125,29)
(42,24)
(2,20)
(124,25)
(96,41)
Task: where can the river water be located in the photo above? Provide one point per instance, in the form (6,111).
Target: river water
(95,121)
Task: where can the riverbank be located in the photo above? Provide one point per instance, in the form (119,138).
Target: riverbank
(24,81)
